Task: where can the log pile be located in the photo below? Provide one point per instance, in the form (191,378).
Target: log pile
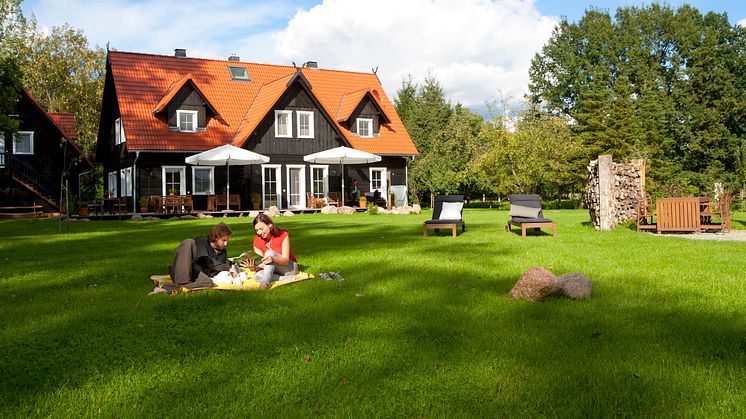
(628,189)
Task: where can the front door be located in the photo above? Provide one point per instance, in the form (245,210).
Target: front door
(296,190)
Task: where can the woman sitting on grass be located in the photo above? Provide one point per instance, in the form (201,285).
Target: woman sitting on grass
(274,245)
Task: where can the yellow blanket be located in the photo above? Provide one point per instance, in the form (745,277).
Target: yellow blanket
(248,285)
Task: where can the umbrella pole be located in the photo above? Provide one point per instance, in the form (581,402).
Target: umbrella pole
(228,184)
(343,186)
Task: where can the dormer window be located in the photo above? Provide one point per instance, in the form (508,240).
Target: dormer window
(187,120)
(239,73)
(365,127)
(305,124)
(283,124)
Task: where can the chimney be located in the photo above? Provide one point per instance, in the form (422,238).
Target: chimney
(312,64)
(234,57)
(180,52)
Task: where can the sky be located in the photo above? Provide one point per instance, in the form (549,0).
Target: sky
(478,50)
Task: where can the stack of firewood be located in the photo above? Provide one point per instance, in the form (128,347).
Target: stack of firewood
(628,191)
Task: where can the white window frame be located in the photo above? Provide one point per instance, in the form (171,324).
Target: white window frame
(300,114)
(113,178)
(245,76)
(2,149)
(302,192)
(194,115)
(384,192)
(211,190)
(182,179)
(289,116)
(30,139)
(367,121)
(278,172)
(314,192)
(125,177)
(119,137)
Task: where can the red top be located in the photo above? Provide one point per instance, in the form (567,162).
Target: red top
(275,243)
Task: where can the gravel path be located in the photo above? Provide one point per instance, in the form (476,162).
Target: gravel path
(735,235)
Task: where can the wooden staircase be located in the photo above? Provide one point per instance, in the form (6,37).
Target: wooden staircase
(24,174)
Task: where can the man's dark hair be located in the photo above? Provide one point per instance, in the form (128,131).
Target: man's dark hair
(219,230)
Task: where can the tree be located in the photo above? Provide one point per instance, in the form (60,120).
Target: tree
(663,84)
(10,71)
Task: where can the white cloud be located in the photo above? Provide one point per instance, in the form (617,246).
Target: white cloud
(742,22)
(211,30)
(477,49)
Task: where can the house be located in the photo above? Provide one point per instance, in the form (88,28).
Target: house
(42,159)
(157,110)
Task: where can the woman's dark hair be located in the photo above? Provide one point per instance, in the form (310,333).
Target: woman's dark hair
(264,218)
(217,231)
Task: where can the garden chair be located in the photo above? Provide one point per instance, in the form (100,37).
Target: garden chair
(447,213)
(332,199)
(525,212)
(645,214)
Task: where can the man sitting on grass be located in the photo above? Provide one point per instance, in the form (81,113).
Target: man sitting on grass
(200,259)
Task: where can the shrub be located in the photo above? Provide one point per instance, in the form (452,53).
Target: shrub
(372,209)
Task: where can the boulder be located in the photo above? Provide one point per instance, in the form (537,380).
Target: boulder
(203,215)
(329,209)
(151,218)
(345,210)
(382,210)
(253,214)
(535,284)
(273,211)
(136,217)
(188,217)
(288,214)
(175,218)
(575,285)
(416,208)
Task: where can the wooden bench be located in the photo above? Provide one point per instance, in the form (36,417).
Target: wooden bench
(13,211)
(678,214)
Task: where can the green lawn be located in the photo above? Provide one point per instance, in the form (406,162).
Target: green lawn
(421,327)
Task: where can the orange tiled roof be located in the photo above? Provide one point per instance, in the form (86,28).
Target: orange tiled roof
(142,83)
(66,123)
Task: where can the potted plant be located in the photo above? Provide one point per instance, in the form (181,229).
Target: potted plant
(143,204)
(363,202)
(83,208)
(256,200)
(172,191)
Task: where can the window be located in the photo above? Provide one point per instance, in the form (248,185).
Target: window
(305,124)
(283,124)
(238,73)
(365,127)
(23,142)
(113,183)
(119,131)
(126,181)
(187,120)
(173,180)
(319,181)
(202,180)
(378,180)
(2,150)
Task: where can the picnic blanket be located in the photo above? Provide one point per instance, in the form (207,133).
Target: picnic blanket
(250,284)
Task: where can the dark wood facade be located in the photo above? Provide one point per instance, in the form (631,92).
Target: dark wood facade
(38,178)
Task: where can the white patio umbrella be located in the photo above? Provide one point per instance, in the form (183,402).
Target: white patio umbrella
(227,155)
(342,155)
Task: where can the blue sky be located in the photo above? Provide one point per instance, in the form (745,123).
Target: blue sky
(479,50)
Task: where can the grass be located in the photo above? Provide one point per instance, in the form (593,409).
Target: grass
(420,327)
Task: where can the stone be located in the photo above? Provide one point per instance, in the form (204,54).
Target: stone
(175,218)
(273,211)
(575,285)
(416,208)
(345,210)
(535,284)
(136,217)
(151,218)
(288,214)
(329,209)
(188,217)
(240,215)
(253,214)
(382,210)
(85,220)
(203,215)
